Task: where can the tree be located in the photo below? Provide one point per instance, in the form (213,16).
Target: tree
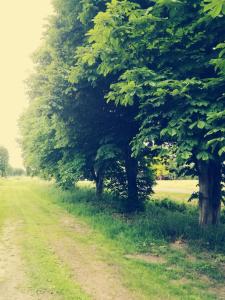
(15,171)
(160,169)
(216,119)
(164,56)
(69,132)
(4,161)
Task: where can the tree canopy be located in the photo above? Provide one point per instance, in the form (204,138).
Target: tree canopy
(119,83)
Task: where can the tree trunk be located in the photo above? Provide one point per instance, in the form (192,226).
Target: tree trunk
(99,184)
(98,176)
(210,192)
(131,166)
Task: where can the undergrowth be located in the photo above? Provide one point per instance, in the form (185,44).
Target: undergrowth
(162,221)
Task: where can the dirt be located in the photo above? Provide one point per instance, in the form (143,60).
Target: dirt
(13,282)
(219,291)
(181,246)
(149,258)
(99,279)
(71,225)
(181,281)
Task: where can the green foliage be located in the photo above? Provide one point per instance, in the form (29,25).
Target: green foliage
(15,171)
(219,61)
(214,7)
(69,131)
(156,92)
(4,161)
(116,183)
(118,83)
(160,168)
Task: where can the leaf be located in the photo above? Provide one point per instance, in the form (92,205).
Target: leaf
(214,7)
(222,150)
(172,131)
(201,124)
(175,92)
(186,155)
(193,125)
(203,156)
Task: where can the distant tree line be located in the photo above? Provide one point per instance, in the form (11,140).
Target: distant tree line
(5,168)
(4,161)
(15,171)
(120,85)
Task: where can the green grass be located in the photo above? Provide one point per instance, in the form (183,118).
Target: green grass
(20,202)
(163,220)
(153,232)
(115,236)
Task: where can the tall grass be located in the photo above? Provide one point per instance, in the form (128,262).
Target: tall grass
(163,221)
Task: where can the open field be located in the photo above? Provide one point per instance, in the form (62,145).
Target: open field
(175,189)
(180,190)
(64,245)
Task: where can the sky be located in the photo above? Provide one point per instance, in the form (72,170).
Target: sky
(21,28)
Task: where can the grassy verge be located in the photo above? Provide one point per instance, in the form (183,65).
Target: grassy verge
(159,254)
(166,229)
(163,221)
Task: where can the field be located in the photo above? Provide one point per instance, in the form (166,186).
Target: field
(175,189)
(67,245)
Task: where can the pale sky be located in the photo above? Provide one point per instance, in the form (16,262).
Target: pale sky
(21,27)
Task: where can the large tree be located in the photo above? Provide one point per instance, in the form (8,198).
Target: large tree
(163,52)
(69,131)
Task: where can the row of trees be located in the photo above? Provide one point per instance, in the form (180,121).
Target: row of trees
(5,168)
(119,84)
(4,161)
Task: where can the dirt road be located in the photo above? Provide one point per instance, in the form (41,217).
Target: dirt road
(42,242)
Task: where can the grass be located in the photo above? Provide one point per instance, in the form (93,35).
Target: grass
(164,220)
(178,190)
(191,269)
(49,278)
(163,223)
(146,233)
